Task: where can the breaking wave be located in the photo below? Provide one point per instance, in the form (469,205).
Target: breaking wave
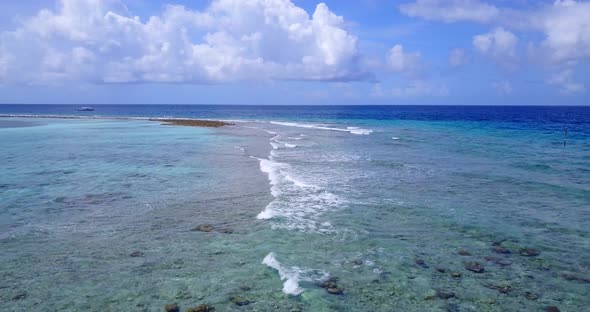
(352,130)
(293,275)
(298,203)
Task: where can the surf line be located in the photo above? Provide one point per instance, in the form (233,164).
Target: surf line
(281,181)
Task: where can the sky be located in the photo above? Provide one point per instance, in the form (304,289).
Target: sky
(421,52)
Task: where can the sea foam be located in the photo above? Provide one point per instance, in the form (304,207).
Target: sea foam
(274,142)
(293,275)
(298,203)
(352,130)
(271,168)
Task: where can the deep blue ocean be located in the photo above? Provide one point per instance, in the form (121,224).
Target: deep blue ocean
(295,208)
(527,116)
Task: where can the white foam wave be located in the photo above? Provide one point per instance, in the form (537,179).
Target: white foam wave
(361,131)
(298,182)
(357,130)
(352,130)
(265,214)
(293,275)
(394,138)
(297,204)
(274,142)
(272,169)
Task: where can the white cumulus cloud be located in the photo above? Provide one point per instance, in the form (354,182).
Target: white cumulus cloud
(563,26)
(450,10)
(100,41)
(409,64)
(564,80)
(566,42)
(500,44)
(567,30)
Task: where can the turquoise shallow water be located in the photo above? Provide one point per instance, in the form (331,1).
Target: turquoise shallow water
(97,215)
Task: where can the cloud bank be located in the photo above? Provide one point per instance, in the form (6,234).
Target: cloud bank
(103,42)
(231,40)
(563,24)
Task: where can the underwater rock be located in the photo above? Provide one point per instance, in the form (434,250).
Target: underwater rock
(504,289)
(419,262)
(552,309)
(172,307)
(431,297)
(440,269)
(463,252)
(177,264)
(335,290)
(203,228)
(136,254)
(329,283)
(452,307)
(357,262)
(20,296)
(456,274)
(531,296)
(226,231)
(241,301)
(201,308)
(445,294)
(529,252)
(572,276)
(474,266)
(498,260)
(183,294)
(60,199)
(498,242)
(331,286)
(501,250)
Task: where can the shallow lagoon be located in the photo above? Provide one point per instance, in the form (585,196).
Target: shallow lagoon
(97,215)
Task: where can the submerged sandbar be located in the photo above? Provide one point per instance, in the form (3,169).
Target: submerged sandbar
(165,121)
(193,122)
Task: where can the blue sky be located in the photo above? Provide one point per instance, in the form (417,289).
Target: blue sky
(295,52)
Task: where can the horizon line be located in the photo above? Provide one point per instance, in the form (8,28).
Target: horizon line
(285,105)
